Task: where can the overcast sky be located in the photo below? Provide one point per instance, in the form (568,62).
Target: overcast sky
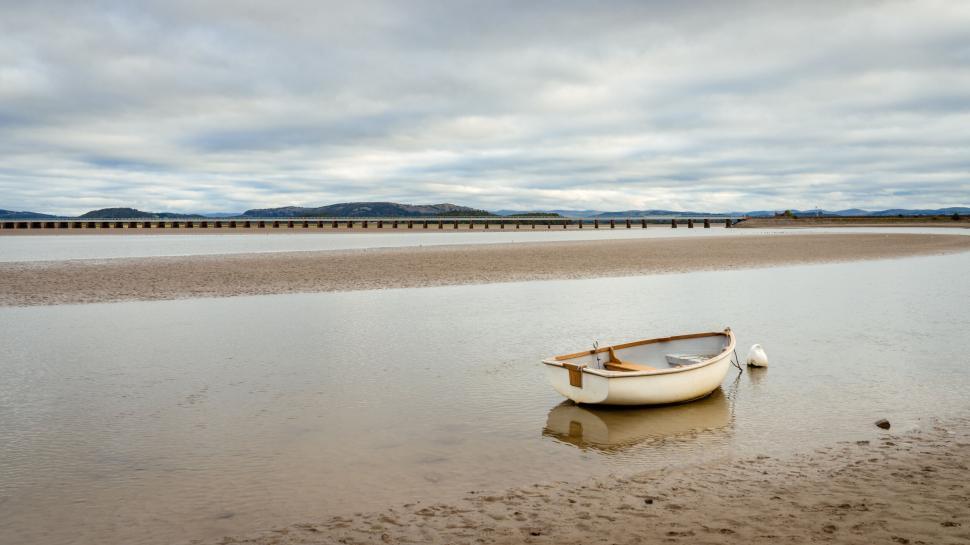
(224,106)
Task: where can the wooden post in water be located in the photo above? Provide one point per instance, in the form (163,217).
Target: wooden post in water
(643,224)
(627,224)
(612,224)
(364,224)
(596,224)
(410,224)
(380,224)
(441,224)
(707,223)
(394,225)
(673,223)
(690,223)
(727,223)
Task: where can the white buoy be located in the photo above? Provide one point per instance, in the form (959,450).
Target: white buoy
(757,356)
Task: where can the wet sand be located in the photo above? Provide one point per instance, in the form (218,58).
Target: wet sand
(876,221)
(155,278)
(910,488)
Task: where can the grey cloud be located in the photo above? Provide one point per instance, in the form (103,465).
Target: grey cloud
(625,104)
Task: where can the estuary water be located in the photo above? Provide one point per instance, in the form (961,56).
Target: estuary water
(119,245)
(163,422)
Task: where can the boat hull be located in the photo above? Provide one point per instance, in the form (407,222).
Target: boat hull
(659,387)
(644,389)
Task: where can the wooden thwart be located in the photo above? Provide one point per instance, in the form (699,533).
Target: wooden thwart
(616,364)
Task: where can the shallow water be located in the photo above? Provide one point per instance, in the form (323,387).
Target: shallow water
(108,246)
(160,422)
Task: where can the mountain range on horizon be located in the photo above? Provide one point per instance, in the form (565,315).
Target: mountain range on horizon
(391,209)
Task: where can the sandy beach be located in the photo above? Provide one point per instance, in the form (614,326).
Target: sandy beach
(909,488)
(86,281)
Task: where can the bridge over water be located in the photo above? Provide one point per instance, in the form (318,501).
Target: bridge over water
(242,224)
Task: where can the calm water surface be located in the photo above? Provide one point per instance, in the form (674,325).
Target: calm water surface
(108,246)
(162,422)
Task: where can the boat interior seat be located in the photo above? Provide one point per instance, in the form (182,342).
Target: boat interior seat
(626,366)
(616,364)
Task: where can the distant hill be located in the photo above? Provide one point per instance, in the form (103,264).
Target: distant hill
(533,215)
(12,215)
(367,210)
(962,210)
(564,213)
(127,213)
(397,210)
(859,212)
(649,213)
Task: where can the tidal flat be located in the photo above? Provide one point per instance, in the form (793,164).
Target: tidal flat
(196,419)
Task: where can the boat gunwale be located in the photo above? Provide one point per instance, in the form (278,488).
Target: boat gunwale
(557,361)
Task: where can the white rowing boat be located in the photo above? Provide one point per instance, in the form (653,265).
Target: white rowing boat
(648,372)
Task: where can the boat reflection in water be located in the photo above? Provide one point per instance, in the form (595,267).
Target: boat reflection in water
(611,429)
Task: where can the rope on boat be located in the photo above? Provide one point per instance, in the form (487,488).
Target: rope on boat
(737,362)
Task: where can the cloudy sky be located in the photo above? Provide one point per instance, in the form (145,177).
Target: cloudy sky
(229,105)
